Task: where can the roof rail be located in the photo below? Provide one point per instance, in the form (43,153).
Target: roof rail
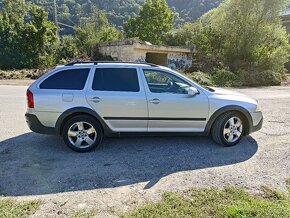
(102,62)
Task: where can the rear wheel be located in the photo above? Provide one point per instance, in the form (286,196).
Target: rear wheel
(228,129)
(82,133)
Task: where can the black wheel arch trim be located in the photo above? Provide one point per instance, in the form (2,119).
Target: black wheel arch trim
(81,110)
(230,108)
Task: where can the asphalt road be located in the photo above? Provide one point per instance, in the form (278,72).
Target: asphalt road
(126,172)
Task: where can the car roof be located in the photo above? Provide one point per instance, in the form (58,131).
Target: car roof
(114,63)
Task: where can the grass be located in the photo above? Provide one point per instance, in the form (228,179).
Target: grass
(84,214)
(11,208)
(230,202)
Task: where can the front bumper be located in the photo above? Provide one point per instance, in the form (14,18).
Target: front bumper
(36,126)
(258,127)
(257,121)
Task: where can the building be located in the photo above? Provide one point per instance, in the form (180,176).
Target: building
(285,17)
(136,50)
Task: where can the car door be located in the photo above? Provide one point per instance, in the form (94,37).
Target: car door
(117,95)
(170,107)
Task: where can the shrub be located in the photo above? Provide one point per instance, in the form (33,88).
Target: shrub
(224,77)
(261,78)
(200,77)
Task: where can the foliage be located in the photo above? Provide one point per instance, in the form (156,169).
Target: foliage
(12,208)
(224,77)
(71,12)
(84,214)
(251,34)
(21,74)
(229,202)
(260,78)
(94,31)
(67,48)
(200,77)
(154,20)
(27,38)
(242,35)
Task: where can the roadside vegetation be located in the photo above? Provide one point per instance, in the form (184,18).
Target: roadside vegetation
(219,203)
(238,43)
(229,202)
(12,208)
(84,214)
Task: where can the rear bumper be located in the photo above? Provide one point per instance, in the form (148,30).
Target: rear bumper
(36,126)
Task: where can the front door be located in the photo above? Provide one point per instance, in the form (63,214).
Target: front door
(118,96)
(170,108)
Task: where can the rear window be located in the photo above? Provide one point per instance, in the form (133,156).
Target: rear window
(73,79)
(116,79)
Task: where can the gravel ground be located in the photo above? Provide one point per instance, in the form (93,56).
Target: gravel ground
(127,172)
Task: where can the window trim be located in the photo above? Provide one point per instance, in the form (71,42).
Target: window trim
(166,72)
(55,71)
(111,67)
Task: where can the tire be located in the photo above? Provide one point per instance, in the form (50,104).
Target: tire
(222,129)
(82,133)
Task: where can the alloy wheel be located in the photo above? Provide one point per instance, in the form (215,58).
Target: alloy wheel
(82,134)
(233,129)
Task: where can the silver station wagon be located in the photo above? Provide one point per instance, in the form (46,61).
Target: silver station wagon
(85,101)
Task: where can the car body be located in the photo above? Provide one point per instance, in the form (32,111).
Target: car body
(112,98)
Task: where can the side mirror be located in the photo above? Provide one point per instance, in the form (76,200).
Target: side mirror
(192,91)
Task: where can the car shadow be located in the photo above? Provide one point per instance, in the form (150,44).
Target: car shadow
(33,164)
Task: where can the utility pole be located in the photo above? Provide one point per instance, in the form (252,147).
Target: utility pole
(55,15)
(55,12)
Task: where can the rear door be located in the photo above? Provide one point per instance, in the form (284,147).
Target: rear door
(117,95)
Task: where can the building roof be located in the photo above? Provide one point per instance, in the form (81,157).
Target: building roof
(143,45)
(285,12)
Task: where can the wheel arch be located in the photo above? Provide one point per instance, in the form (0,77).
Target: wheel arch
(66,115)
(226,109)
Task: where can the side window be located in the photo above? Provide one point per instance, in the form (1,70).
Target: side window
(73,79)
(162,82)
(116,79)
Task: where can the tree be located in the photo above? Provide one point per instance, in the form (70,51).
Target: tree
(93,31)
(153,22)
(27,38)
(251,33)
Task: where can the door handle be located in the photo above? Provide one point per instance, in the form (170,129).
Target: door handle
(95,99)
(155,101)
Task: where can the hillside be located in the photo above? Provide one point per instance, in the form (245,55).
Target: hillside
(118,11)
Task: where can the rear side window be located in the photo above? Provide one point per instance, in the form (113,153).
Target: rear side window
(73,79)
(116,79)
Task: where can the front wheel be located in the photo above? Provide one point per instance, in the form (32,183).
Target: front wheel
(82,133)
(228,129)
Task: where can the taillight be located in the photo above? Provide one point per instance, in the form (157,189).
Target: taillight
(30,101)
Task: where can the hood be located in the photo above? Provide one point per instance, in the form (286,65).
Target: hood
(229,95)
(220,91)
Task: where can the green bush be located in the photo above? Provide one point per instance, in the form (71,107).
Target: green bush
(226,78)
(200,77)
(260,78)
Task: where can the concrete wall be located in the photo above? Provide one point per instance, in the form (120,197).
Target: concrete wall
(118,53)
(179,59)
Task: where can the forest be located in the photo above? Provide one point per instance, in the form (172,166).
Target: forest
(70,12)
(239,42)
